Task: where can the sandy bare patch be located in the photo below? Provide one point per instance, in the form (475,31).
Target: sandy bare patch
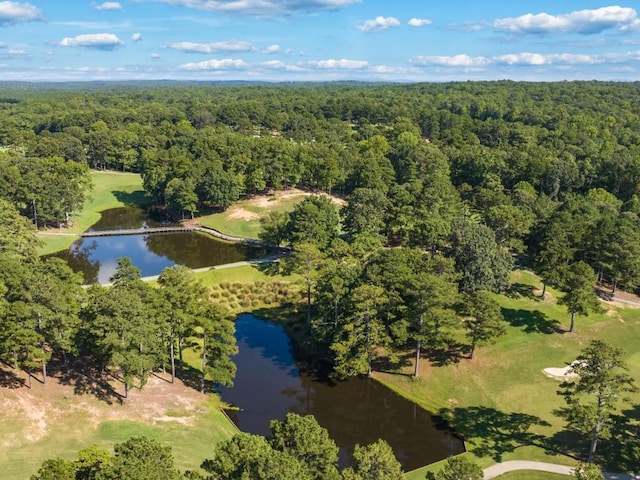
(242,214)
(38,412)
(157,400)
(266,201)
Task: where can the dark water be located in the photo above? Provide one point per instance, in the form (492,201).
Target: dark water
(122,218)
(96,257)
(269,384)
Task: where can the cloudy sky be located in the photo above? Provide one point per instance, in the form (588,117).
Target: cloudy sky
(295,40)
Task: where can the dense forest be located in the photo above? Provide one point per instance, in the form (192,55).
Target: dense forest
(478,175)
(469,179)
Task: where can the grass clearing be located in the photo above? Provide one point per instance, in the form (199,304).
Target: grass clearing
(51,420)
(110,190)
(242,219)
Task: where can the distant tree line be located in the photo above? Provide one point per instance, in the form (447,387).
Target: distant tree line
(518,158)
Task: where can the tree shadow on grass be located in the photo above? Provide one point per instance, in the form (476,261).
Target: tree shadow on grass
(570,443)
(439,357)
(621,452)
(395,365)
(9,378)
(531,321)
(520,290)
(86,378)
(137,198)
(493,433)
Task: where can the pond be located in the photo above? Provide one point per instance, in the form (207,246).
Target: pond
(269,383)
(96,257)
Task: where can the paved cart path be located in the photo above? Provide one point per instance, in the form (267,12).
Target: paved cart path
(504,467)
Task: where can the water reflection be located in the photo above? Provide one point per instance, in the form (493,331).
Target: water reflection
(96,257)
(123,218)
(269,384)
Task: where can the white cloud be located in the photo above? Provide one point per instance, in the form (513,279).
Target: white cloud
(523,58)
(386,69)
(527,58)
(279,65)
(632,27)
(107,6)
(262,7)
(155,55)
(342,63)
(14,53)
(232,46)
(451,61)
(580,21)
(13,12)
(100,41)
(215,64)
(136,37)
(419,22)
(378,24)
(273,49)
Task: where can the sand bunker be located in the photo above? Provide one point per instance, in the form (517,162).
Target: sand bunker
(561,374)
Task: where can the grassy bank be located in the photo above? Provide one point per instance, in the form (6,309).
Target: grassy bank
(110,190)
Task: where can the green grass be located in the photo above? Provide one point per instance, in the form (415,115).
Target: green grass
(67,423)
(248,228)
(110,190)
(489,395)
(189,444)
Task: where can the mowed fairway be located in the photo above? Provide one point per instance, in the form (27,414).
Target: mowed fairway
(504,386)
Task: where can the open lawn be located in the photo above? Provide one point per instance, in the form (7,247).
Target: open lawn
(52,420)
(501,401)
(110,190)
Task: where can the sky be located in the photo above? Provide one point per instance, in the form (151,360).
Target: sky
(319,40)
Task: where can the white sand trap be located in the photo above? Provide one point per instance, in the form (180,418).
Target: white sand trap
(560,373)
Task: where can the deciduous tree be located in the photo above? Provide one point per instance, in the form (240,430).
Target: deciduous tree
(460,468)
(374,462)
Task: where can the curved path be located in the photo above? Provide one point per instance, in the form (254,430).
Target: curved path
(504,467)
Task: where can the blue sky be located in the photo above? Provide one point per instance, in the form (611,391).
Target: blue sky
(317,40)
